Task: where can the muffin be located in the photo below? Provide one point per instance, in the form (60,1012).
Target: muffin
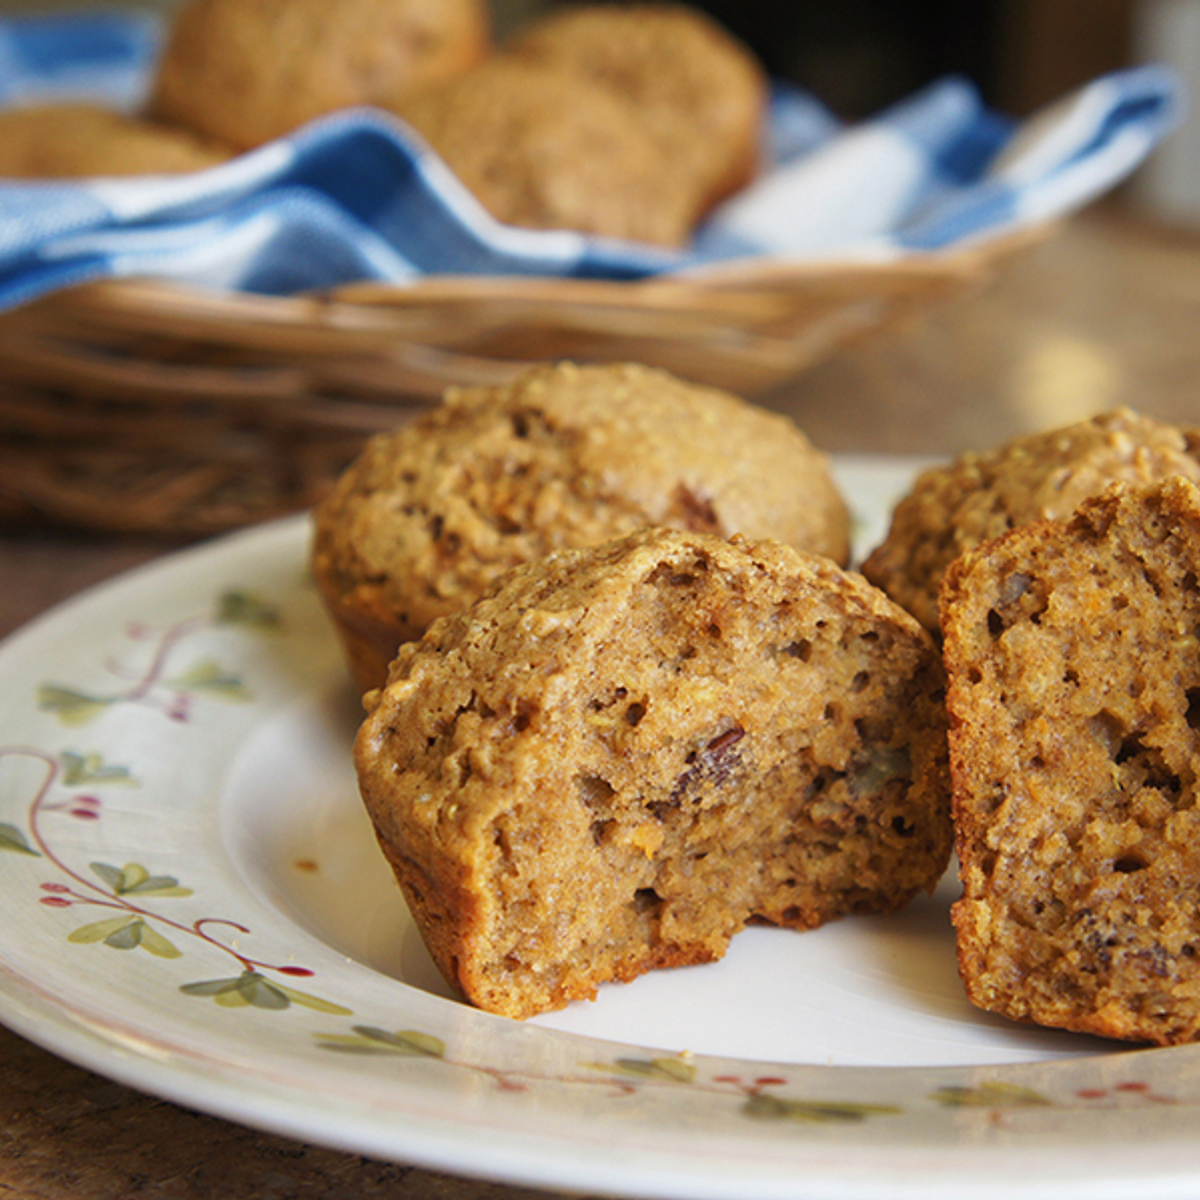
(1073,676)
(69,141)
(1046,475)
(621,754)
(541,148)
(699,93)
(563,456)
(247,71)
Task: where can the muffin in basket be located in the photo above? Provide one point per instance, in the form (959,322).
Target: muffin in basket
(247,71)
(698,93)
(623,121)
(1073,688)
(540,147)
(982,495)
(430,514)
(69,141)
(621,754)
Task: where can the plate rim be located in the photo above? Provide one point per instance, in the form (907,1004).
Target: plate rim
(70,1032)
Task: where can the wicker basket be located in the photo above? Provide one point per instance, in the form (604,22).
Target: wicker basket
(150,407)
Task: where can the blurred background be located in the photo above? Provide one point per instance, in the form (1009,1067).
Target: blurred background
(1101,314)
(859,55)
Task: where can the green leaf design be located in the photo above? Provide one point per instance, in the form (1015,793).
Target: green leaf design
(250,989)
(100,931)
(161,886)
(305,1000)
(991,1094)
(126,932)
(111,875)
(258,992)
(209,676)
(128,937)
(154,943)
(11,838)
(209,987)
(822,1112)
(367,1039)
(677,1070)
(244,608)
(71,707)
(81,769)
(134,879)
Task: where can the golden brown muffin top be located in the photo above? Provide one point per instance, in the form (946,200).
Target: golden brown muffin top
(247,71)
(982,495)
(699,93)
(543,148)
(565,455)
(67,141)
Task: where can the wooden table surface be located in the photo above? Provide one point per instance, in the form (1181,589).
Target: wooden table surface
(1106,312)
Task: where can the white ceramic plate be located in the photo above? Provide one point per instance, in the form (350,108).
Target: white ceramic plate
(195,906)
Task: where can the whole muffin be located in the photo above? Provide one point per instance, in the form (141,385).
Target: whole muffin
(1074,699)
(699,93)
(542,148)
(982,495)
(247,71)
(565,455)
(69,141)
(622,754)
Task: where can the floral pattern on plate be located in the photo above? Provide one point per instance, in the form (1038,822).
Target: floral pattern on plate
(145,940)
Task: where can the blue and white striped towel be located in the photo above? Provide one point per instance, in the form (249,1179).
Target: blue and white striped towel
(356,196)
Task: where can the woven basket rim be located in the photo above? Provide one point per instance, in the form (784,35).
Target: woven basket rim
(725,287)
(144,404)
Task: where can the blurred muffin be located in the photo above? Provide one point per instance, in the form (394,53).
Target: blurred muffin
(563,456)
(544,149)
(247,71)
(953,508)
(699,93)
(67,141)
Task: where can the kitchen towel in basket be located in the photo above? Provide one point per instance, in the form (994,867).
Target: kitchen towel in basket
(357,196)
